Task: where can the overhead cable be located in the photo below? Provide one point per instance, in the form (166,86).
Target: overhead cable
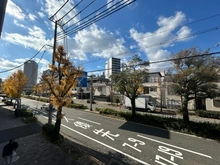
(25,61)
(88,15)
(77,14)
(97,17)
(172,59)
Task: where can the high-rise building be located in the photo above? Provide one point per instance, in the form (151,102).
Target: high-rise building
(30,70)
(112,66)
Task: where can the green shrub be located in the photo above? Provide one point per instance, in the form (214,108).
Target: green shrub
(26,113)
(93,102)
(7,102)
(29,119)
(48,130)
(208,114)
(78,106)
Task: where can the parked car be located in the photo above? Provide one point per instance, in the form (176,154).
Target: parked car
(45,107)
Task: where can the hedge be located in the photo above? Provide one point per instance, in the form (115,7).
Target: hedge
(208,114)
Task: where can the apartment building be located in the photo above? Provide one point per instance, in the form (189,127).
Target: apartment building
(112,66)
(31,71)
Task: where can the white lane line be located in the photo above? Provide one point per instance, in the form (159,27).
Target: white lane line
(89,121)
(132,157)
(66,119)
(136,159)
(70,119)
(175,146)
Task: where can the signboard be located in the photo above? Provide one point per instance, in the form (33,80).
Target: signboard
(82,81)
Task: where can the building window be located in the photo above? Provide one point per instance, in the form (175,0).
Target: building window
(216,102)
(153,89)
(146,90)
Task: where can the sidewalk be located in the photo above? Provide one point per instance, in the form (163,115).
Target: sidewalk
(34,148)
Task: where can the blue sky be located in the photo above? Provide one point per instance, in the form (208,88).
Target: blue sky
(152,29)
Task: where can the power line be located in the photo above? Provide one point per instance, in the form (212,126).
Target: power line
(167,41)
(172,59)
(52,17)
(29,78)
(77,13)
(25,61)
(98,17)
(70,11)
(88,15)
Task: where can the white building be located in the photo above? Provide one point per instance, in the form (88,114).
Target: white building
(112,66)
(30,70)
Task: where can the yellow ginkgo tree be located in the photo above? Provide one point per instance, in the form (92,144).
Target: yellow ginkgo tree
(60,83)
(14,84)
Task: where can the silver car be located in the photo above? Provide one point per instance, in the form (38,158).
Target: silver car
(46,107)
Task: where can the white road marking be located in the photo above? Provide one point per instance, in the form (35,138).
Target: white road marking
(70,119)
(89,121)
(66,119)
(175,146)
(132,157)
(138,160)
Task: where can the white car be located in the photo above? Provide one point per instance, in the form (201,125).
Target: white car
(45,107)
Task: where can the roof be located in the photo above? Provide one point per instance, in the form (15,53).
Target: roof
(2,13)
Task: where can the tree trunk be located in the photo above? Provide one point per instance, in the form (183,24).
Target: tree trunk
(57,125)
(185,110)
(133,107)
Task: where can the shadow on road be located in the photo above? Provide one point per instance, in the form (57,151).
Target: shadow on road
(147,130)
(83,154)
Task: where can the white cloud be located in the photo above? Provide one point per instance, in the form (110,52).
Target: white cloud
(32,17)
(97,42)
(20,25)
(35,38)
(14,10)
(152,43)
(8,65)
(183,32)
(41,14)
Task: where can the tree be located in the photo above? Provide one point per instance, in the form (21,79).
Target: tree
(129,81)
(194,76)
(65,77)
(14,84)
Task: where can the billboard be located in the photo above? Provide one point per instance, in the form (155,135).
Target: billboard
(82,81)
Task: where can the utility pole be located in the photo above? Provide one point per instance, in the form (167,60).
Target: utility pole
(91,93)
(53,63)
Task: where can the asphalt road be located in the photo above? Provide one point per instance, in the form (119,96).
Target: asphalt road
(133,143)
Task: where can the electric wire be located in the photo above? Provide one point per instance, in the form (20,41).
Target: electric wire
(97,18)
(100,16)
(25,61)
(70,11)
(89,15)
(165,42)
(51,18)
(167,60)
(29,78)
(78,13)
